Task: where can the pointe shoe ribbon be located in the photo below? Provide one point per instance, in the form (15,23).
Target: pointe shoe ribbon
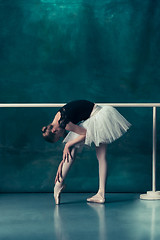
(96,199)
(57,194)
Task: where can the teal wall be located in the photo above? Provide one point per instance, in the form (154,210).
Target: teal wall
(59,50)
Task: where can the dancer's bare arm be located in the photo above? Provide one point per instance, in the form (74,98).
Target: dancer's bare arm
(82,134)
(75,128)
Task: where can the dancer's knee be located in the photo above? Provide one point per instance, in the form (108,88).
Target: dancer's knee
(101,152)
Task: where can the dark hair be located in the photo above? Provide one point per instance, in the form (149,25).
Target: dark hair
(48,135)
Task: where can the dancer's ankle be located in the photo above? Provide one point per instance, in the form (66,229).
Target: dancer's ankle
(60,183)
(101,193)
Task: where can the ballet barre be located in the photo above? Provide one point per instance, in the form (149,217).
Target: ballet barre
(62,104)
(150,195)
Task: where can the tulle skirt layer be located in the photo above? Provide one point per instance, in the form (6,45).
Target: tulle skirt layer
(105,125)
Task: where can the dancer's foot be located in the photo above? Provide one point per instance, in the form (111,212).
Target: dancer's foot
(98,198)
(57,192)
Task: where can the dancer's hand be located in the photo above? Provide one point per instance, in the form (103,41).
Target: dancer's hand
(67,153)
(59,172)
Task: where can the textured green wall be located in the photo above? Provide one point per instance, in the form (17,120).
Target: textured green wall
(59,50)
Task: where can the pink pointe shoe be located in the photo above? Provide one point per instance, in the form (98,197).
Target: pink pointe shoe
(57,193)
(96,199)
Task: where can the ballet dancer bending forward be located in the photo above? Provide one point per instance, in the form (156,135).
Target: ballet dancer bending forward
(87,123)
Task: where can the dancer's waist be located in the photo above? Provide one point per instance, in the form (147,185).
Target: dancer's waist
(95,110)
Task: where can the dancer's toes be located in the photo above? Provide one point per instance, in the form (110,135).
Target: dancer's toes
(96,199)
(57,193)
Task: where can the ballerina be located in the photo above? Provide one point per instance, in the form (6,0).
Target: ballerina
(87,123)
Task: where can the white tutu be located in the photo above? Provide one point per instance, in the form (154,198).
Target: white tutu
(105,125)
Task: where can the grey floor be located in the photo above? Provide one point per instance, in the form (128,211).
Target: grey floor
(35,216)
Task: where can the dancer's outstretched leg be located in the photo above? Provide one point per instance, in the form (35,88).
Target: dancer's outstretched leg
(101,156)
(59,186)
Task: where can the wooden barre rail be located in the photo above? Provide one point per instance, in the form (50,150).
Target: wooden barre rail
(62,104)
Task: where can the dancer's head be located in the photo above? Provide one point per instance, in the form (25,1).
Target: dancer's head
(52,133)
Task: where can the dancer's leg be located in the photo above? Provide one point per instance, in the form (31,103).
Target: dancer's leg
(65,168)
(101,156)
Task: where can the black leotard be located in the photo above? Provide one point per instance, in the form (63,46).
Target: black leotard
(75,112)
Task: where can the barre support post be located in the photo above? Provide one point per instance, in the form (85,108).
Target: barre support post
(153,195)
